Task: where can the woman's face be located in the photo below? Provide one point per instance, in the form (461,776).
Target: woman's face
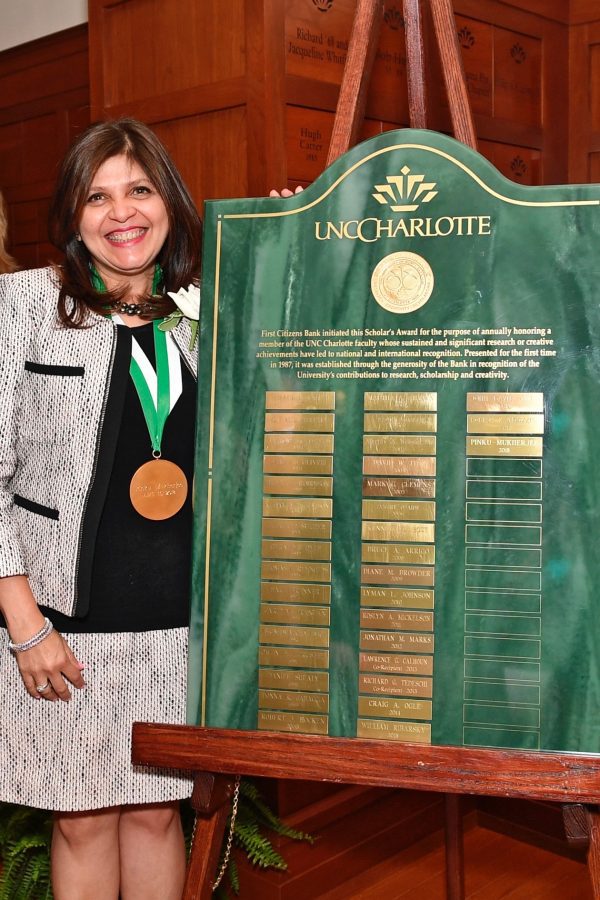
(124,224)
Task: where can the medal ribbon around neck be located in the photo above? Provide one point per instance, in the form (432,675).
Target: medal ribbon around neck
(158,390)
(158,488)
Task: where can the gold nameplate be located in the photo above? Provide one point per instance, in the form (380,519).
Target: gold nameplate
(399,510)
(304,465)
(407,664)
(393,642)
(297,484)
(313,550)
(293,680)
(417,554)
(409,401)
(407,444)
(295,571)
(300,400)
(395,686)
(405,598)
(399,487)
(419,532)
(394,708)
(285,614)
(294,657)
(273,592)
(292,635)
(484,423)
(297,528)
(399,465)
(298,443)
(294,700)
(394,422)
(502,446)
(405,621)
(420,577)
(393,731)
(299,422)
(301,509)
(505,402)
(293,722)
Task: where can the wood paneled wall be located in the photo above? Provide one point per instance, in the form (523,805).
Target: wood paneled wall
(244,94)
(44,101)
(209,85)
(510,58)
(250,103)
(584,111)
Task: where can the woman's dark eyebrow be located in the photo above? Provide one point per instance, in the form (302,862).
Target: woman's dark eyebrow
(95,189)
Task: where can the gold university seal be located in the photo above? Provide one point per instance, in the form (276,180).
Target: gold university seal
(402,282)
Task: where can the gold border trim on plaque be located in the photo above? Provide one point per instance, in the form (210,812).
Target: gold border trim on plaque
(436,152)
(291,212)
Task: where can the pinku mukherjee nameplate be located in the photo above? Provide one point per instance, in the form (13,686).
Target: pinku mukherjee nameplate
(397,490)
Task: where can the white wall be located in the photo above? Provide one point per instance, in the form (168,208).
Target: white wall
(25,20)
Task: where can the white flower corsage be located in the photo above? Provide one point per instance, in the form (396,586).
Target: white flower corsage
(187,301)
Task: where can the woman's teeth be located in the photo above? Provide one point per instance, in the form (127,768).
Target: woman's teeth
(123,236)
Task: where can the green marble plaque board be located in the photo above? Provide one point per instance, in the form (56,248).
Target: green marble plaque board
(399,433)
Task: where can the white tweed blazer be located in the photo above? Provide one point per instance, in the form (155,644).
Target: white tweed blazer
(57,437)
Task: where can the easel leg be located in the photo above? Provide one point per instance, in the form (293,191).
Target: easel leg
(582,828)
(210,800)
(594,850)
(455,864)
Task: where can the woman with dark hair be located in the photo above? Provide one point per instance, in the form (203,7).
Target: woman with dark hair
(97,405)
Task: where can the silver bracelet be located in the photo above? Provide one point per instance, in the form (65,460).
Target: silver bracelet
(33,641)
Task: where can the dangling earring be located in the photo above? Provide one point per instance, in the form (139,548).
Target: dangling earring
(78,236)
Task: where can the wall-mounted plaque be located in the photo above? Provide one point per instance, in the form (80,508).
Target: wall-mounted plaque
(397,499)
(317,36)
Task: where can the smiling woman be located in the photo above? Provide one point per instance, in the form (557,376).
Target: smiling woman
(97,198)
(124,225)
(93,565)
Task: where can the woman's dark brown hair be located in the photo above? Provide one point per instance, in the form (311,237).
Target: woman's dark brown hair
(7,263)
(179,256)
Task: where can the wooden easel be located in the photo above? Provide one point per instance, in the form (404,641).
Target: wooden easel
(214,755)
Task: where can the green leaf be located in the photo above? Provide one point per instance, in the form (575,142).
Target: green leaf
(171,321)
(25,836)
(194,332)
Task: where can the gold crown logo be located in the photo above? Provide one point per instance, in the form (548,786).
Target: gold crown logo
(402,191)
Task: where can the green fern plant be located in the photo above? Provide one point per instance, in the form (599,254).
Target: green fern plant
(25,836)
(254,815)
(25,853)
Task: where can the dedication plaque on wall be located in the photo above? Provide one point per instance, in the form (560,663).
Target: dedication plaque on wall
(397,484)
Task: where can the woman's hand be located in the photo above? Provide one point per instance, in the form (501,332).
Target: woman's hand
(50,662)
(286,192)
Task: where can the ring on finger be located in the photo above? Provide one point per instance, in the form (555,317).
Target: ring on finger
(40,688)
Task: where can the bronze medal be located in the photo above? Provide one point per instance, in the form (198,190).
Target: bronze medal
(158,489)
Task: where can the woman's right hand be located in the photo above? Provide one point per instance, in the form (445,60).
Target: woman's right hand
(50,662)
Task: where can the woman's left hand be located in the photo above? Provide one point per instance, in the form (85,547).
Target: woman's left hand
(286,192)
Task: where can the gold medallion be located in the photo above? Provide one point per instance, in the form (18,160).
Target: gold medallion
(158,489)
(402,282)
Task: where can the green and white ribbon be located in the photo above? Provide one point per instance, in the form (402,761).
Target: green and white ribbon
(158,389)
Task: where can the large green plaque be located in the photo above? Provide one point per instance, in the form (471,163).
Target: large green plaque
(399,429)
